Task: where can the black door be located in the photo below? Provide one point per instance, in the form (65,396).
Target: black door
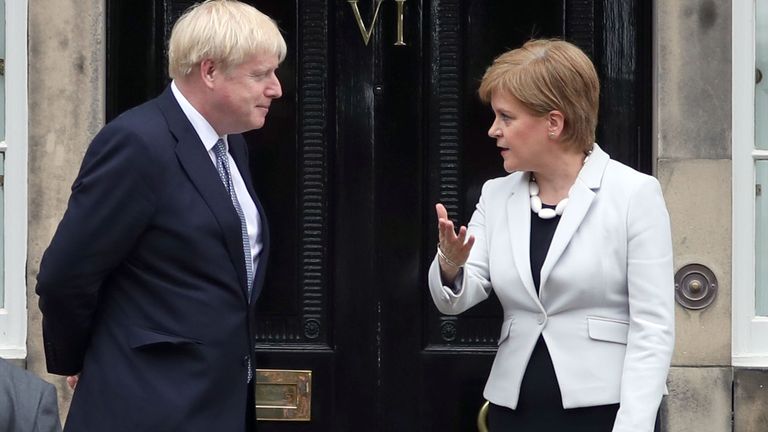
(365,140)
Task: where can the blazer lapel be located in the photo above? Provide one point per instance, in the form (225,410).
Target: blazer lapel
(201,171)
(519,222)
(579,201)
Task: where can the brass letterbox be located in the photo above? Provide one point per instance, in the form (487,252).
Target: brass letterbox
(283,395)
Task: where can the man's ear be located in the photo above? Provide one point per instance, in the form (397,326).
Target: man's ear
(208,70)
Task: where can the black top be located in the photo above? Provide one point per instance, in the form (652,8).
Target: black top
(542,231)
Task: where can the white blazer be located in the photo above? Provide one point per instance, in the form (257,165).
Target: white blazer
(606,302)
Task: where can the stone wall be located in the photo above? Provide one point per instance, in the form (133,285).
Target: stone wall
(66,109)
(692,118)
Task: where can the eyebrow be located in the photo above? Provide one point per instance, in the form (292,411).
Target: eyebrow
(263,69)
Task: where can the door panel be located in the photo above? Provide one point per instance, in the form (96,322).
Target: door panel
(457,352)
(364,142)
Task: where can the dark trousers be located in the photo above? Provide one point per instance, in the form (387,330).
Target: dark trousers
(250,410)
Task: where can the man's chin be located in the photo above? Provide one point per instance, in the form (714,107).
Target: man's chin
(250,126)
(258,123)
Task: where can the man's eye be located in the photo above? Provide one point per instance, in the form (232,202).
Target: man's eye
(259,75)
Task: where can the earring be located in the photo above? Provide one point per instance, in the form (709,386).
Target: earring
(551,134)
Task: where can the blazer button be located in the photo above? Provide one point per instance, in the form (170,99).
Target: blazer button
(540,318)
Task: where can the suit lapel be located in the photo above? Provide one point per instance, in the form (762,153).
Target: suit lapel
(519,222)
(580,199)
(201,171)
(258,279)
(239,151)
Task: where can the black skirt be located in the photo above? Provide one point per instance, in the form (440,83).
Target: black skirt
(540,407)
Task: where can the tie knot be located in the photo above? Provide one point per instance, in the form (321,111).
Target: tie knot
(220,147)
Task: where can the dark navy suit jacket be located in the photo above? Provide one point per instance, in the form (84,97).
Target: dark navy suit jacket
(143,287)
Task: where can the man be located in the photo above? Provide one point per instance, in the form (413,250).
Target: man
(148,286)
(27,403)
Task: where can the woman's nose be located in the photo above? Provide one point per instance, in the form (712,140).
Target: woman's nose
(493,132)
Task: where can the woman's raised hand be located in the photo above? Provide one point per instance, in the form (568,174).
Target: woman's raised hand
(453,249)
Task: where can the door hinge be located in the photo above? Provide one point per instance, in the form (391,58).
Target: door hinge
(758,189)
(2,67)
(2,180)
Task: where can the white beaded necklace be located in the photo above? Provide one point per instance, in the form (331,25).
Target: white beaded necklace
(536,204)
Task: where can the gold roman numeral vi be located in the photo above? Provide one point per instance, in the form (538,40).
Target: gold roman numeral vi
(367,31)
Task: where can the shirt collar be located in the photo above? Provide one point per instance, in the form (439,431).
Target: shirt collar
(204,130)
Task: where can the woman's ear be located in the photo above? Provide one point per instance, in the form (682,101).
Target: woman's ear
(555,124)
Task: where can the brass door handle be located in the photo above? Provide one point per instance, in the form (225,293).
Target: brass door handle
(482,418)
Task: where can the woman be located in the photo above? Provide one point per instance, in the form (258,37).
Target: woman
(577,248)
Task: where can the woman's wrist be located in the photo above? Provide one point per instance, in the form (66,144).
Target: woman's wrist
(448,274)
(447,261)
(449,269)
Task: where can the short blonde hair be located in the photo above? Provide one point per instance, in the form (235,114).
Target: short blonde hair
(225,31)
(547,75)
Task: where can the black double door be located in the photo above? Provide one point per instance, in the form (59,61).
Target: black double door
(366,139)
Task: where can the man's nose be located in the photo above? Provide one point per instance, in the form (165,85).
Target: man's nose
(274,89)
